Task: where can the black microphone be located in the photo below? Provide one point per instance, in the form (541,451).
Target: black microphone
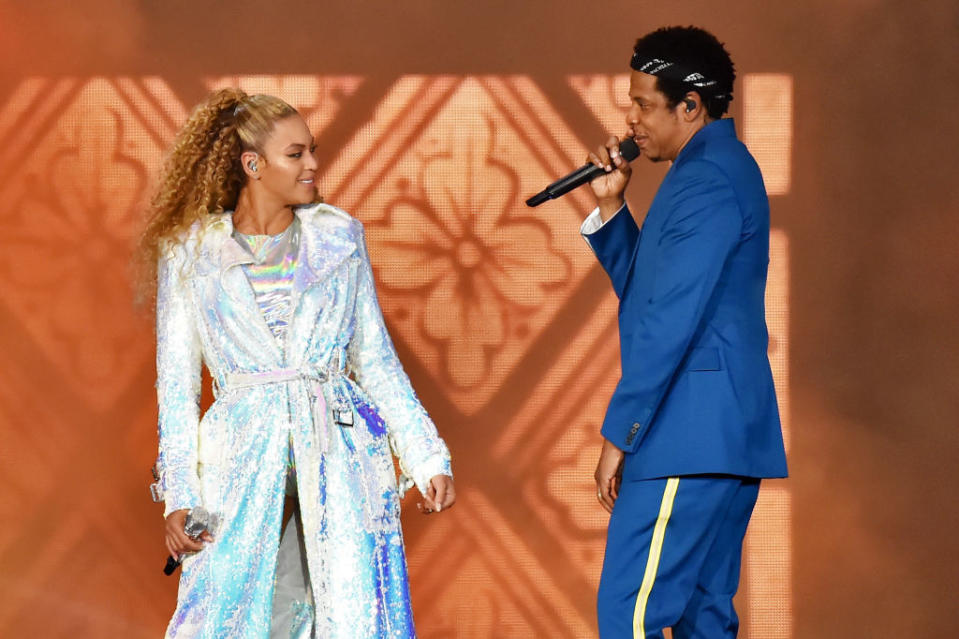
(582,175)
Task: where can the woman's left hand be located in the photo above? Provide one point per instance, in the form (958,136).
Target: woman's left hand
(440,495)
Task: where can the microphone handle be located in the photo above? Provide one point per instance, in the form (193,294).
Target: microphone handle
(171,565)
(586,173)
(582,175)
(562,186)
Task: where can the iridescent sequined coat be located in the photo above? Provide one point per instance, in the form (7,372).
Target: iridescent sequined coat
(276,406)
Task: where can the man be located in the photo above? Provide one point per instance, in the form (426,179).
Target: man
(693,423)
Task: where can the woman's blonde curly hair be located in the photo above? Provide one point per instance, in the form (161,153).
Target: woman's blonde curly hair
(202,175)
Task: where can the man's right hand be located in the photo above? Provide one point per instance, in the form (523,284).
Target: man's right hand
(609,188)
(609,474)
(177,541)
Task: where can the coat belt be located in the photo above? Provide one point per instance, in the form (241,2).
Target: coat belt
(234,381)
(326,410)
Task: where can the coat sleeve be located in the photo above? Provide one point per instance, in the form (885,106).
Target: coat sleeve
(703,228)
(377,369)
(614,243)
(178,387)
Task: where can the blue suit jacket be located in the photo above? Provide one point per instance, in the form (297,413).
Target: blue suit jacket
(696,393)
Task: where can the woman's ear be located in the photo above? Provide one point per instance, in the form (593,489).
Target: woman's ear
(250,161)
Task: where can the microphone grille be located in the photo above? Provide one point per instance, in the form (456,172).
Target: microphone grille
(197,520)
(628,149)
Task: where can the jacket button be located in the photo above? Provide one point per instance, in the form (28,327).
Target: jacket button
(635,428)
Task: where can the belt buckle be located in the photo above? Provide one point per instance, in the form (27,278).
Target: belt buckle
(156,489)
(343,415)
(342,410)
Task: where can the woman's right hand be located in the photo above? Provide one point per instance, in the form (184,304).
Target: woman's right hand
(177,541)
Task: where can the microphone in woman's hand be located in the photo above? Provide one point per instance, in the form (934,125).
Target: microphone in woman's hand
(197,520)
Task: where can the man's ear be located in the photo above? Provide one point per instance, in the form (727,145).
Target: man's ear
(691,106)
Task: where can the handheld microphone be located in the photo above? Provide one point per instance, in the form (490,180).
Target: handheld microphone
(586,173)
(197,520)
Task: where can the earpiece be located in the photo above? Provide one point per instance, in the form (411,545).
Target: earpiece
(252,165)
(690,104)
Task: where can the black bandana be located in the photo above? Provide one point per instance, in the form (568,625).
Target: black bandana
(678,73)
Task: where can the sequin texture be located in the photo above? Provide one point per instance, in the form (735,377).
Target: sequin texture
(270,272)
(275,402)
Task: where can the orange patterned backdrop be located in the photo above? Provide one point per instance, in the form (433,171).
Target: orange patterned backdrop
(500,313)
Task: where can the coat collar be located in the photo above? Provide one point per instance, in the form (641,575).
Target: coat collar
(715,130)
(325,241)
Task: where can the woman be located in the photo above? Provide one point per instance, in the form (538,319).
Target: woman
(274,294)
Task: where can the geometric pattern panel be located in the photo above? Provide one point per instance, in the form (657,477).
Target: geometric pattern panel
(468,274)
(76,165)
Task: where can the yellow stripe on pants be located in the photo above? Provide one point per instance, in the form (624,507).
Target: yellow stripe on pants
(652,563)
